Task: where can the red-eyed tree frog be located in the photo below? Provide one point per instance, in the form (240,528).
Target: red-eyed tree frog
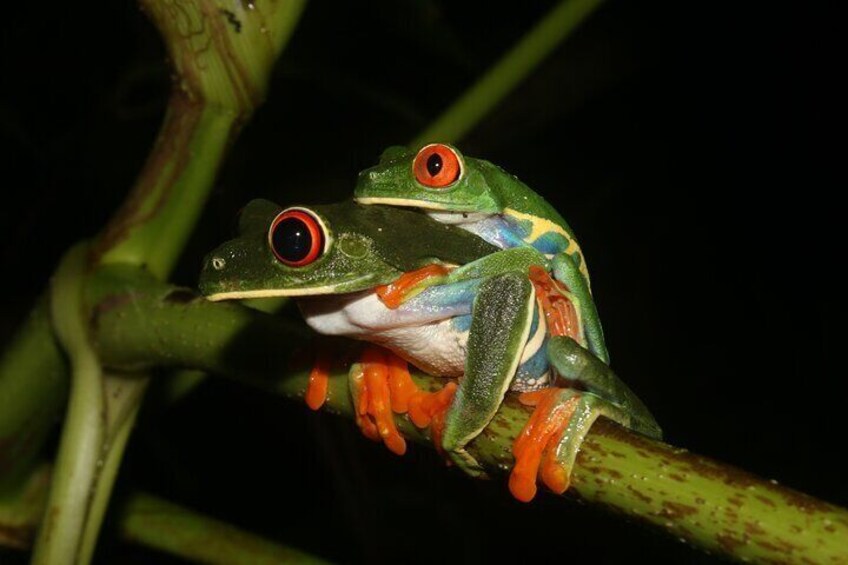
(446,301)
(484,199)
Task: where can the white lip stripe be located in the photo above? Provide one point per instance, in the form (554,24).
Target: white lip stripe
(277,292)
(270,293)
(401,202)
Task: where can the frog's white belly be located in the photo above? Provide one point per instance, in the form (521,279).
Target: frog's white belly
(425,337)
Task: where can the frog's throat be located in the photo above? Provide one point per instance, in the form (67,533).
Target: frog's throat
(406,202)
(273,293)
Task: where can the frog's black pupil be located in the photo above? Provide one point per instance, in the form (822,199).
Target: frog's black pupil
(434,164)
(292,239)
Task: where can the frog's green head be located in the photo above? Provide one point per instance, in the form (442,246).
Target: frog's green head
(435,177)
(328,249)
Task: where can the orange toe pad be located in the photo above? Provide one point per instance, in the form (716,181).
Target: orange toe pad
(319,380)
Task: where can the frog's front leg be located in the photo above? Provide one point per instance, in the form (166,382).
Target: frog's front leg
(547,446)
(500,324)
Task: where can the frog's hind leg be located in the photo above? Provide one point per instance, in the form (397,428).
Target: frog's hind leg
(547,446)
(500,324)
(576,364)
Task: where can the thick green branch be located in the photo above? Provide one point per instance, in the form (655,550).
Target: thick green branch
(706,503)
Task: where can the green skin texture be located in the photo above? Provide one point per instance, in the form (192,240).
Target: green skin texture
(371,246)
(484,188)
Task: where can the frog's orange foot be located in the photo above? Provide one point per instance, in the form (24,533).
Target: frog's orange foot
(371,388)
(424,408)
(535,448)
(385,386)
(429,409)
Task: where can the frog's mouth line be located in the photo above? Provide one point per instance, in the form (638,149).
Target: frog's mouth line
(439,212)
(407,202)
(307,291)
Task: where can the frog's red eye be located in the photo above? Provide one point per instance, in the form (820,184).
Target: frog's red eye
(296,237)
(436,166)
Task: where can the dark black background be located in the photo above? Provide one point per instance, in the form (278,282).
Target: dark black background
(694,150)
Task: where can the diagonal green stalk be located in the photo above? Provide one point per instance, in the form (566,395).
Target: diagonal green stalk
(479,100)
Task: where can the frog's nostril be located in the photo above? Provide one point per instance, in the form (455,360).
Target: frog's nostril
(218,263)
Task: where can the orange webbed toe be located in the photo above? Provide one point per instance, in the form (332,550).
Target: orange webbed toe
(319,380)
(377,403)
(384,388)
(535,446)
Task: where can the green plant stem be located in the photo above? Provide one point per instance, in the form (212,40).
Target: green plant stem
(150,521)
(698,500)
(124,395)
(82,436)
(221,75)
(508,72)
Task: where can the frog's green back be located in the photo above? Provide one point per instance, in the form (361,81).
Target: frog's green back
(515,195)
